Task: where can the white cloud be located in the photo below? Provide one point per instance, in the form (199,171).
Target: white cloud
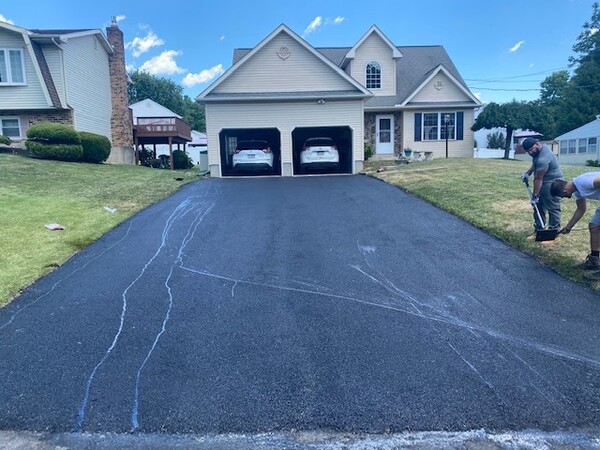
(316,23)
(120,18)
(192,79)
(142,45)
(337,20)
(163,64)
(516,47)
(477,95)
(222,38)
(4,19)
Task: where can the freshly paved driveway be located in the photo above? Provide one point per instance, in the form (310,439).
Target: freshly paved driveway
(317,303)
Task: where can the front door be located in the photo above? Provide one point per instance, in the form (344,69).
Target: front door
(385,135)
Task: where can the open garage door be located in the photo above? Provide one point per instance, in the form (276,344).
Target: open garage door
(320,159)
(252,151)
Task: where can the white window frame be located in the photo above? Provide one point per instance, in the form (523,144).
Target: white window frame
(372,78)
(435,130)
(592,145)
(9,68)
(572,146)
(2,119)
(564,147)
(582,145)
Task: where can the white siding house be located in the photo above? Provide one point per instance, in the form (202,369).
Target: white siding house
(73,77)
(389,97)
(581,144)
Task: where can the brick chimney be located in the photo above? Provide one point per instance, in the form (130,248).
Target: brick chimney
(121,122)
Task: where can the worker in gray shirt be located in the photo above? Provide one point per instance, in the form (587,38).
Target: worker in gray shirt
(545,169)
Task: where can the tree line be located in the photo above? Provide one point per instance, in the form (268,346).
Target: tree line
(566,101)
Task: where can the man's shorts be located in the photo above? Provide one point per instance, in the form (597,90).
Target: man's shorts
(596,217)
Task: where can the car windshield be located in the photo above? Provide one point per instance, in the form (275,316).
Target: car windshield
(320,142)
(249,145)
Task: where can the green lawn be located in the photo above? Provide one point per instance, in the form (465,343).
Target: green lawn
(490,194)
(35,192)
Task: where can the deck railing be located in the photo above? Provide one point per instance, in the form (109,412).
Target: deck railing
(162,126)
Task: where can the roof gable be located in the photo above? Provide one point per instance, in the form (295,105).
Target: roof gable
(299,68)
(439,74)
(149,108)
(374,30)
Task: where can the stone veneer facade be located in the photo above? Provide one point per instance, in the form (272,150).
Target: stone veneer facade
(371,127)
(121,120)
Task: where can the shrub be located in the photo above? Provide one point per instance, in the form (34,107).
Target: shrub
(53,133)
(61,152)
(5,140)
(181,160)
(496,140)
(368,151)
(96,148)
(592,162)
(54,141)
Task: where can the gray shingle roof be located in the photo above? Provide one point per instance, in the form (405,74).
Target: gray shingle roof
(591,129)
(413,68)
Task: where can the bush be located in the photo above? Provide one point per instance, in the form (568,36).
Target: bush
(368,151)
(592,163)
(54,141)
(61,152)
(181,160)
(5,140)
(53,133)
(96,148)
(496,140)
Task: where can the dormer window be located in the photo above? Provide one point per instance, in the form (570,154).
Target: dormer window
(12,69)
(373,75)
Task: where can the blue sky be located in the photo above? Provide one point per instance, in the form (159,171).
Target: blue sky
(503,50)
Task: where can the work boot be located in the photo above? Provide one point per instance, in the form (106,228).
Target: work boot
(590,263)
(531,237)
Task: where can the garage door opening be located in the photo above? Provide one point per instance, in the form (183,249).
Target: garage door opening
(319,157)
(248,152)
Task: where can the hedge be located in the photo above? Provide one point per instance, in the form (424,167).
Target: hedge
(96,148)
(53,133)
(61,152)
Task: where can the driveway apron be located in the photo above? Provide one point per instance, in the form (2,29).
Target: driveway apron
(313,303)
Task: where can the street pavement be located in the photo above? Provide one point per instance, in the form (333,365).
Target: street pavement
(338,305)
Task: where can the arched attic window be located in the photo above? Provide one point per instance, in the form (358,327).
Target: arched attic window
(373,75)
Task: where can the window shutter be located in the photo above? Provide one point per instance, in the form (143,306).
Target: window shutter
(417,126)
(459,125)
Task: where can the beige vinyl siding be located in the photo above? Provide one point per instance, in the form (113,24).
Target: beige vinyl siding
(265,71)
(448,91)
(462,148)
(54,60)
(88,84)
(375,49)
(285,117)
(30,96)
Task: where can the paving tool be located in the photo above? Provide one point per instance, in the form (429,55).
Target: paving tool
(541,235)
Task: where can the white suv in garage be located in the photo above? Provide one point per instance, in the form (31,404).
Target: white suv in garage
(253,154)
(319,152)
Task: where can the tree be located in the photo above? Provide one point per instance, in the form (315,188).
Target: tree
(496,140)
(580,101)
(512,116)
(168,94)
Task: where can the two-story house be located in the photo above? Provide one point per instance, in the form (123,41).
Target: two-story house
(390,97)
(74,77)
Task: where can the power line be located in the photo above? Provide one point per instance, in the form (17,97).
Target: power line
(515,76)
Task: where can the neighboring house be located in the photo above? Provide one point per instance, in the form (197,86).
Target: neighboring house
(158,127)
(285,91)
(74,77)
(581,144)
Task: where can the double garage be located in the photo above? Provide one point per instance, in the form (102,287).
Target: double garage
(285,126)
(340,136)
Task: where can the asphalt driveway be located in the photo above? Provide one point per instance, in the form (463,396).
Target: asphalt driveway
(316,303)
